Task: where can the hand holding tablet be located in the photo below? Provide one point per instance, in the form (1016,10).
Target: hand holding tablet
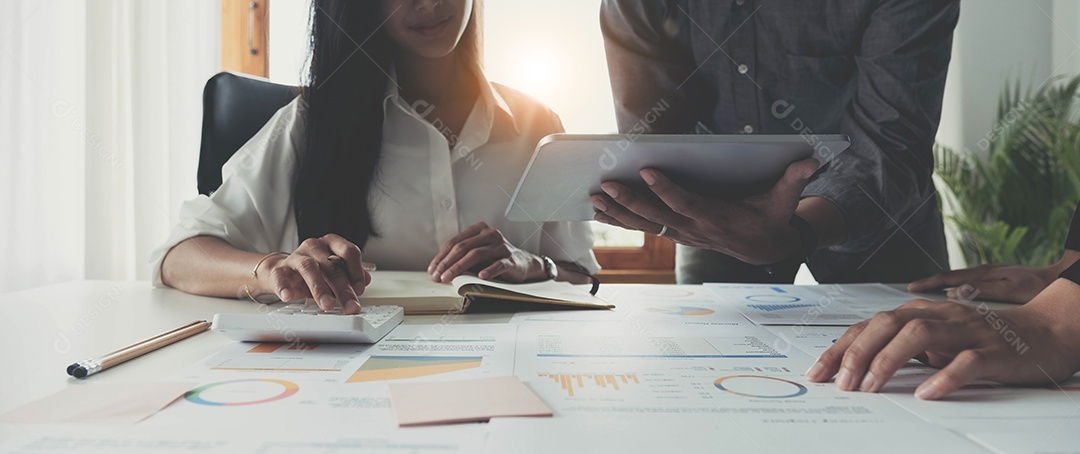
(734,194)
(755,229)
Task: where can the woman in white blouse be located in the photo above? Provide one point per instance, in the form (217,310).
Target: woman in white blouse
(398,146)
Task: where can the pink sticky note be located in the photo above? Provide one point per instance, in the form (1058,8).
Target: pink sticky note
(99,403)
(463,401)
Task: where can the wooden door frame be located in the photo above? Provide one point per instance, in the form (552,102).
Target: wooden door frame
(245,36)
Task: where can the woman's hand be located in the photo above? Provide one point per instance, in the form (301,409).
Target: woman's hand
(1011,284)
(481,246)
(311,272)
(1033,344)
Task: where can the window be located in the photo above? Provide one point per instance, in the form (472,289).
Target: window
(566,70)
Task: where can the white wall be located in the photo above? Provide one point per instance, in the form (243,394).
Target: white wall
(998,41)
(288,40)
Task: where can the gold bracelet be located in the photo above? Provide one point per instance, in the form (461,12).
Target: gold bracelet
(255,271)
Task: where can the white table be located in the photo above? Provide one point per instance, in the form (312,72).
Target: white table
(46,329)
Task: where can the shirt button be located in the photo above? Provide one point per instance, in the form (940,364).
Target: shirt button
(446,203)
(748,129)
(743,69)
(740,2)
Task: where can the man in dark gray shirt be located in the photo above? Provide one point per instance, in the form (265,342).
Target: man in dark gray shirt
(872,70)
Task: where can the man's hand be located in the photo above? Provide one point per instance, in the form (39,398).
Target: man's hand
(1033,344)
(1011,284)
(754,230)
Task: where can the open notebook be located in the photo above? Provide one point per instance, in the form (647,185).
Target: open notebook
(418,295)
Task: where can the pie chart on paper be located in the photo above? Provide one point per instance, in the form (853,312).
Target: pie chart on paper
(247,391)
(759,386)
(681,310)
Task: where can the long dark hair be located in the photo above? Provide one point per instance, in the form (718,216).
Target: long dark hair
(343,94)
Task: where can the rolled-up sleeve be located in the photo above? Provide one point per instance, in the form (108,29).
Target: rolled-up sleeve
(886,175)
(650,67)
(252,210)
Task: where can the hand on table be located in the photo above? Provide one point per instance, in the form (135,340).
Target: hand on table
(1018,346)
(1011,284)
(311,272)
(482,246)
(755,230)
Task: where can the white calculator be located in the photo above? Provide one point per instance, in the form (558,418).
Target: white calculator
(299,322)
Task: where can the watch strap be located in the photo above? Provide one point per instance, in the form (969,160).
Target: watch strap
(1072,273)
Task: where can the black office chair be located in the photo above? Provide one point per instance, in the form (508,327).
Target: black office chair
(235,107)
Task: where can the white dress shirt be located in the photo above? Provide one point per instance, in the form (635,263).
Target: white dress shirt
(424,193)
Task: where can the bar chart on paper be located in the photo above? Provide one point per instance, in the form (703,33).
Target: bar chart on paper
(445,352)
(611,382)
(737,389)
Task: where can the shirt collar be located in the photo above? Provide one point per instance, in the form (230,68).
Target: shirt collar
(490,101)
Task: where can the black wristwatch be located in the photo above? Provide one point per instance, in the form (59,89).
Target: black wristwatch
(550,268)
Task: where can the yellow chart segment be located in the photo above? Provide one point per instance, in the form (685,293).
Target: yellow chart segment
(568,381)
(396,367)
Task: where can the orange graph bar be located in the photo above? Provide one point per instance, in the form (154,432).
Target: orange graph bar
(265,347)
(605,381)
(611,379)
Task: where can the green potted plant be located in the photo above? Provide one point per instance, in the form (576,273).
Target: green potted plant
(1012,204)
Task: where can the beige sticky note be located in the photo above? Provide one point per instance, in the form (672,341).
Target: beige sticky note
(99,403)
(463,401)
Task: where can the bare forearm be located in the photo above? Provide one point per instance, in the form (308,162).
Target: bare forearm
(210,266)
(1067,259)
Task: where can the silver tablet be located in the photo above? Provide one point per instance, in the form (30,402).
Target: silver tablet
(566,168)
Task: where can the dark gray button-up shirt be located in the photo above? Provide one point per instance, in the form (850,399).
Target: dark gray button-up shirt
(871,69)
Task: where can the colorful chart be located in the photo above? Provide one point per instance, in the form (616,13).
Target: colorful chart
(681,310)
(773,299)
(241,392)
(271,347)
(395,367)
(759,386)
(605,381)
(777,307)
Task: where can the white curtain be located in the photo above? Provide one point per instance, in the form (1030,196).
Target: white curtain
(100,112)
